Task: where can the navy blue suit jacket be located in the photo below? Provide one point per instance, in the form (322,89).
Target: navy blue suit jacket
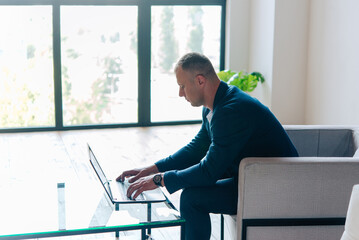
(239,126)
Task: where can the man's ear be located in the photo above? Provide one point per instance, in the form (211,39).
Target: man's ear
(201,79)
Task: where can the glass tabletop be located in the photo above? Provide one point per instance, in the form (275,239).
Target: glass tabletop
(43,208)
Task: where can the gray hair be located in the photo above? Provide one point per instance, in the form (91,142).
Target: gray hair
(197,63)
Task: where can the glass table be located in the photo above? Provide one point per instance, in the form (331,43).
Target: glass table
(41,208)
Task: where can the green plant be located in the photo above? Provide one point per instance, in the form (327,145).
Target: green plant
(245,81)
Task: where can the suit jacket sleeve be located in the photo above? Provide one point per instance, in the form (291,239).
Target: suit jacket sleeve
(187,156)
(228,139)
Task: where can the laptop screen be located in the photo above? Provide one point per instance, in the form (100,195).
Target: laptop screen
(101,175)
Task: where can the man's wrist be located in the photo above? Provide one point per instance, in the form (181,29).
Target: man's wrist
(158,179)
(152,169)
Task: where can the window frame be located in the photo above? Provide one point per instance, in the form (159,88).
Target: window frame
(143,50)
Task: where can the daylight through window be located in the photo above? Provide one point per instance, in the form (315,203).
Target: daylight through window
(85,64)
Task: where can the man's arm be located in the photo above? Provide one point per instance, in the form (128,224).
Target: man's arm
(229,139)
(189,155)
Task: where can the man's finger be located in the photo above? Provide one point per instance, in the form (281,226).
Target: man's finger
(120,178)
(138,192)
(130,190)
(126,174)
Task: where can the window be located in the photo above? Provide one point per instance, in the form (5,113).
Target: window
(91,64)
(99,64)
(177,30)
(26,70)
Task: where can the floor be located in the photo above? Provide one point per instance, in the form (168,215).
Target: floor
(59,156)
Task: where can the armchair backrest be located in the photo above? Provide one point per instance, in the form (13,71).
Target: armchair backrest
(326,141)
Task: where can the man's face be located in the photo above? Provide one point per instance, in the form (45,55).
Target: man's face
(189,87)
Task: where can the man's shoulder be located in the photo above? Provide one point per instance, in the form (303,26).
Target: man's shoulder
(237,106)
(235,100)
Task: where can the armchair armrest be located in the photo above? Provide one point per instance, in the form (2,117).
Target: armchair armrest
(295,188)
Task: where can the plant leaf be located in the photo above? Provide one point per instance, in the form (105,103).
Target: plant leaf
(244,81)
(225,75)
(233,79)
(251,83)
(259,76)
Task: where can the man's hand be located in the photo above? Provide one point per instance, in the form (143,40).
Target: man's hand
(134,173)
(142,184)
(137,173)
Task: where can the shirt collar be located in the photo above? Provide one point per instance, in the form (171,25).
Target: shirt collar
(209,116)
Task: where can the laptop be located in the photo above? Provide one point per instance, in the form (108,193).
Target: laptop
(117,191)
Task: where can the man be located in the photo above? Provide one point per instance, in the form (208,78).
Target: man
(234,126)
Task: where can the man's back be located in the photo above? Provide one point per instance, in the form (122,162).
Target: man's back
(243,127)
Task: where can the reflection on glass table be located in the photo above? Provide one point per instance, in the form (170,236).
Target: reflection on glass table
(39,209)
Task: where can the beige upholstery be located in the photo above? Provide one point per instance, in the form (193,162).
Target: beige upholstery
(352,222)
(316,186)
(356,154)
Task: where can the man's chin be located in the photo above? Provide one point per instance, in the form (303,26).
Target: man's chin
(195,105)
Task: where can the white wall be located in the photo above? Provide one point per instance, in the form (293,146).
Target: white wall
(311,62)
(290,60)
(261,37)
(333,63)
(267,48)
(249,41)
(237,30)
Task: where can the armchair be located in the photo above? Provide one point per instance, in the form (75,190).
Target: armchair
(303,197)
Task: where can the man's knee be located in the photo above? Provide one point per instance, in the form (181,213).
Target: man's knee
(189,199)
(198,223)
